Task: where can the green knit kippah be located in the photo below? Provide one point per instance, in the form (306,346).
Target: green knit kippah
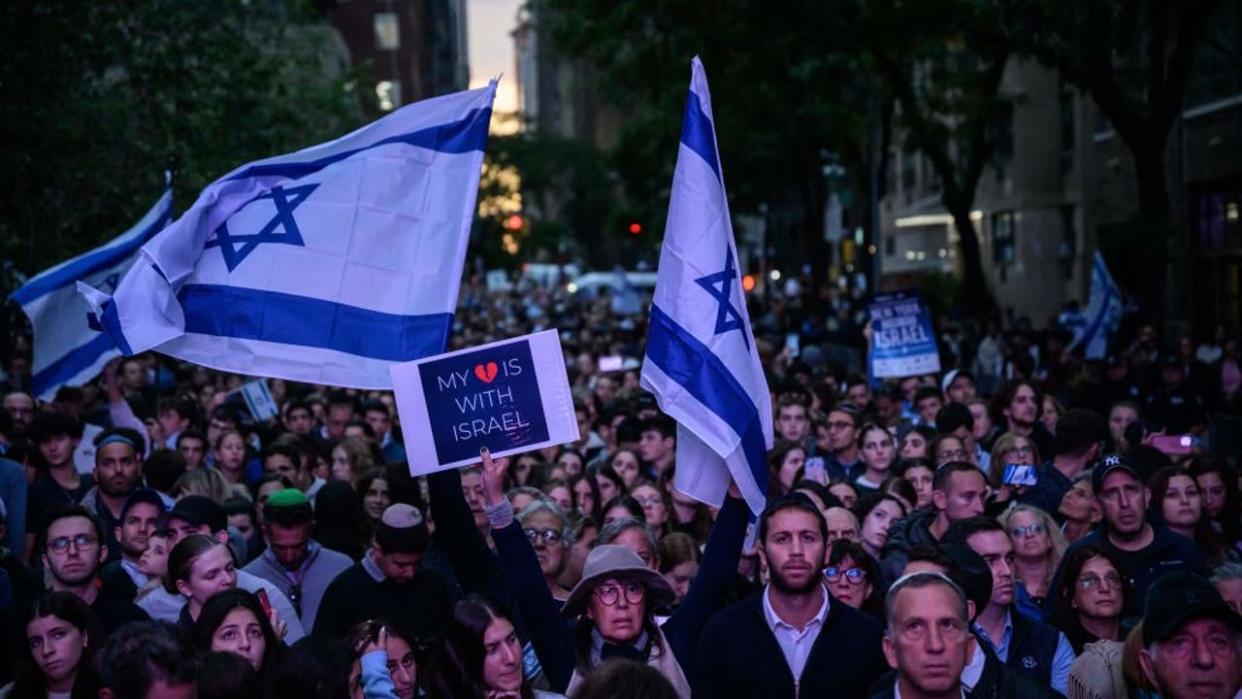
(289,497)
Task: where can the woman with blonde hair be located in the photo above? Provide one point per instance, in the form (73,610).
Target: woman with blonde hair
(1038,545)
(208,482)
(1009,448)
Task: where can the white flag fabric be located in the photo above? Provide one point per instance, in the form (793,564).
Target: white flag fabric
(66,349)
(701,362)
(1103,314)
(326,265)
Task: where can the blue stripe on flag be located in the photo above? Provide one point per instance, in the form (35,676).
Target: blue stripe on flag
(468,134)
(64,369)
(1099,270)
(99,259)
(271,316)
(694,367)
(698,134)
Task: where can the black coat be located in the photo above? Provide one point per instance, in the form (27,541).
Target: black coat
(996,682)
(739,657)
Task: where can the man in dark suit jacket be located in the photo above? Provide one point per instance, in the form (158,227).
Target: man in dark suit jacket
(792,639)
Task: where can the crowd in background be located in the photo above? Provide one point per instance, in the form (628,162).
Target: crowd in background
(1024,521)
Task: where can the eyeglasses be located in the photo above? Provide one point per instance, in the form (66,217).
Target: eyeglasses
(1090,581)
(1027,530)
(855,576)
(61,543)
(549,536)
(608,595)
(952,455)
(650,501)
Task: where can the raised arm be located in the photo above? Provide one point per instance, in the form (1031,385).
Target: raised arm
(710,587)
(542,614)
(462,542)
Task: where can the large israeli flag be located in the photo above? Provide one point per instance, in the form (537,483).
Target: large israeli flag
(701,361)
(1103,314)
(325,265)
(66,350)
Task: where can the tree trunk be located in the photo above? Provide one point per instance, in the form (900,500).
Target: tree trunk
(975,294)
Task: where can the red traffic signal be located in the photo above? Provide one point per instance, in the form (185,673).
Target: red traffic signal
(514,222)
(636,228)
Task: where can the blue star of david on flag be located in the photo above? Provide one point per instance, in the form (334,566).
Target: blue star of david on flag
(728,318)
(236,248)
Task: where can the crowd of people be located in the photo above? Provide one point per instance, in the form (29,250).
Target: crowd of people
(1026,522)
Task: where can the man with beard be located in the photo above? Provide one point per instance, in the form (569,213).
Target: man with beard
(141,515)
(72,553)
(118,471)
(1018,407)
(1145,552)
(792,639)
(1026,646)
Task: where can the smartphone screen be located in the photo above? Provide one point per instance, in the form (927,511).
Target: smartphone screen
(1020,474)
(813,470)
(793,343)
(264,602)
(1173,443)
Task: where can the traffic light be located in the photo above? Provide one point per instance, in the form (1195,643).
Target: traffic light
(636,228)
(514,222)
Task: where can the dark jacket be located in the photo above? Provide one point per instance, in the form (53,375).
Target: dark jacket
(1032,648)
(905,534)
(114,579)
(422,605)
(553,636)
(996,682)
(739,657)
(1048,491)
(1167,552)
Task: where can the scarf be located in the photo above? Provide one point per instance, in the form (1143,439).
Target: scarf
(657,655)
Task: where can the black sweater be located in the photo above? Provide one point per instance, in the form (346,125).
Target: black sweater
(739,657)
(422,605)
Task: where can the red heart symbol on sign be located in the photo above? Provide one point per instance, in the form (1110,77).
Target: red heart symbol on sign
(486,374)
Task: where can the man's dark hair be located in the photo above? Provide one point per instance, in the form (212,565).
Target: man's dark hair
(237,505)
(316,667)
(141,653)
(405,540)
(227,676)
(296,405)
(620,678)
(342,398)
(953,416)
(963,529)
(293,516)
(183,407)
(283,449)
(191,434)
(630,429)
(792,501)
(1006,395)
(819,489)
(130,435)
(375,406)
(162,469)
(854,380)
(48,426)
(660,423)
(227,413)
(65,510)
(927,392)
(1078,430)
(365,426)
(931,554)
(942,475)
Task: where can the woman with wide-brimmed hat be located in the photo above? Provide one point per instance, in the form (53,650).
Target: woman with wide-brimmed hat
(614,607)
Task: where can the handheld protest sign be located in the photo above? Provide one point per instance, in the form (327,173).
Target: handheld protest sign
(510,396)
(903,342)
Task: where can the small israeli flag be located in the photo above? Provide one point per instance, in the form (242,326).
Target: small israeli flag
(326,265)
(701,361)
(66,349)
(1103,315)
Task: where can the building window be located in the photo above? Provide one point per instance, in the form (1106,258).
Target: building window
(388,94)
(1067,251)
(890,245)
(1003,248)
(387,32)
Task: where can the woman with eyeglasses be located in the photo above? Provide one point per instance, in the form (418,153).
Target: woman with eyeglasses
(1093,592)
(480,656)
(545,526)
(58,640)
(853,578)
(1009,448)
(1037,549)
(946,448)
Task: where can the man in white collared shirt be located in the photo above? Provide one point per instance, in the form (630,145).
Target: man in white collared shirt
(795,601)
(928,637)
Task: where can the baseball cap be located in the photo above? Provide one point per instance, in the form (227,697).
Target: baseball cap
(1179,597)
(1109,464)
(142,495)
(199,510)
